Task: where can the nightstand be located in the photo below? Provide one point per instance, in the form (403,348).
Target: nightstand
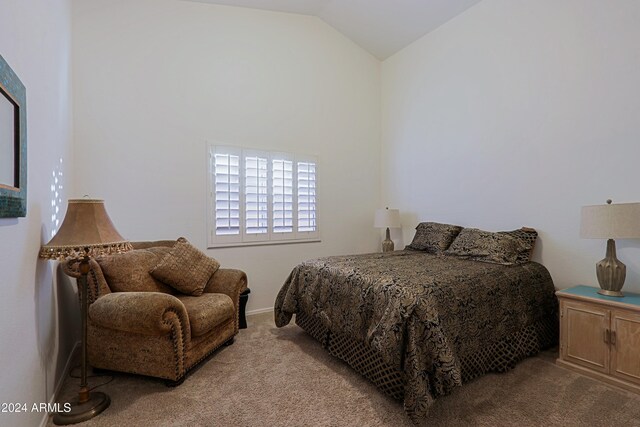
(600,335)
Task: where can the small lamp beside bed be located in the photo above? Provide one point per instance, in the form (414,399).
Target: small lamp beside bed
(619,221)
(389,218)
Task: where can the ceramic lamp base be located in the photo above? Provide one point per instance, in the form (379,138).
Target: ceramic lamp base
(387,243)
(611,272)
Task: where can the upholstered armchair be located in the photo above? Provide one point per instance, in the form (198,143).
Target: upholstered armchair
(140,325)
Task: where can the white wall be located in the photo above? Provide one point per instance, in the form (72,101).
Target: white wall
(38,309)
(519,113)
(155,79)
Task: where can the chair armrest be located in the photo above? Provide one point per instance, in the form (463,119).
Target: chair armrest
(97,285)
(148,313)
(227,281)
(230,282)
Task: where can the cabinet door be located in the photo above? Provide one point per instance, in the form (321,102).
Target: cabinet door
(625,345)
(585,335)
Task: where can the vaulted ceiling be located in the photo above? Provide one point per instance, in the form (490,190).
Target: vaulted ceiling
(382,27)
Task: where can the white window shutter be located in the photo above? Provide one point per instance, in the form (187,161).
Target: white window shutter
(226,195)
(306,191)
(282,196)
(260,196)
(256,196)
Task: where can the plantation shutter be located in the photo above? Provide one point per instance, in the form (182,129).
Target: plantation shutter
(257,197)
(306,178)
(256,192)
(282,195)
(226,194)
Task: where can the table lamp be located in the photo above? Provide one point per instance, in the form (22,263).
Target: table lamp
(86,231)
(389,218)
(611,221)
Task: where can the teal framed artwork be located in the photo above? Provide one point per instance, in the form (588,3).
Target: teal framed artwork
(13,144)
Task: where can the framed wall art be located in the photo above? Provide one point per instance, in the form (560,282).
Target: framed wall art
(13,144)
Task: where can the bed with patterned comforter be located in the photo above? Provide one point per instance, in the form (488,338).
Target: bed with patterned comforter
(436,319)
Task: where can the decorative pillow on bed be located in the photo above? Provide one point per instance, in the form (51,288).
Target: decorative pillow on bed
(528,237)
(486,246)
(434,237)
(185,268)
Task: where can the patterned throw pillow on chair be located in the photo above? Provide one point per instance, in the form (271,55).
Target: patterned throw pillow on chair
(185,268)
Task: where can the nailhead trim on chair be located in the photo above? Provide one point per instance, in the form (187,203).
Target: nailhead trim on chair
(237,306)
(96,292)
(174,341)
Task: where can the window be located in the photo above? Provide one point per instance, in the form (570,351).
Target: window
(259,197)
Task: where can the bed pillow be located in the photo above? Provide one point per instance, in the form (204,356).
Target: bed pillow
(185,268)
(486,246)
(528,237)
(434,237)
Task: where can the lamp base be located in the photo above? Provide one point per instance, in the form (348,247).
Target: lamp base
(611,272)
(387,244)
(80,412)
(610,293)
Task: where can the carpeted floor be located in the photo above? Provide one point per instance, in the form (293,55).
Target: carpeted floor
(282,377)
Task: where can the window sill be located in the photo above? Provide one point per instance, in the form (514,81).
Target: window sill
(267,243)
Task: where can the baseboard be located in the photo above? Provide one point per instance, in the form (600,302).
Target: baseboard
(58,387)
(259,311)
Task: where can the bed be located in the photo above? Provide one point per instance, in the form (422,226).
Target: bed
(420,324)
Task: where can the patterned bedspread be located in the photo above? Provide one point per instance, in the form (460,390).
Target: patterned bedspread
(422,313)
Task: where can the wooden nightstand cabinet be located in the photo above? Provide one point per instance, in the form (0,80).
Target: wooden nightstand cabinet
(600,335)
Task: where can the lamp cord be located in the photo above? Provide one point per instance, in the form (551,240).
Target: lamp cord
(91,376)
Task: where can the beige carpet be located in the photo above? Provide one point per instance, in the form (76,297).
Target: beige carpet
(282,377)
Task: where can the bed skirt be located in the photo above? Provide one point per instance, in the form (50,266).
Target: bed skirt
(499,357)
